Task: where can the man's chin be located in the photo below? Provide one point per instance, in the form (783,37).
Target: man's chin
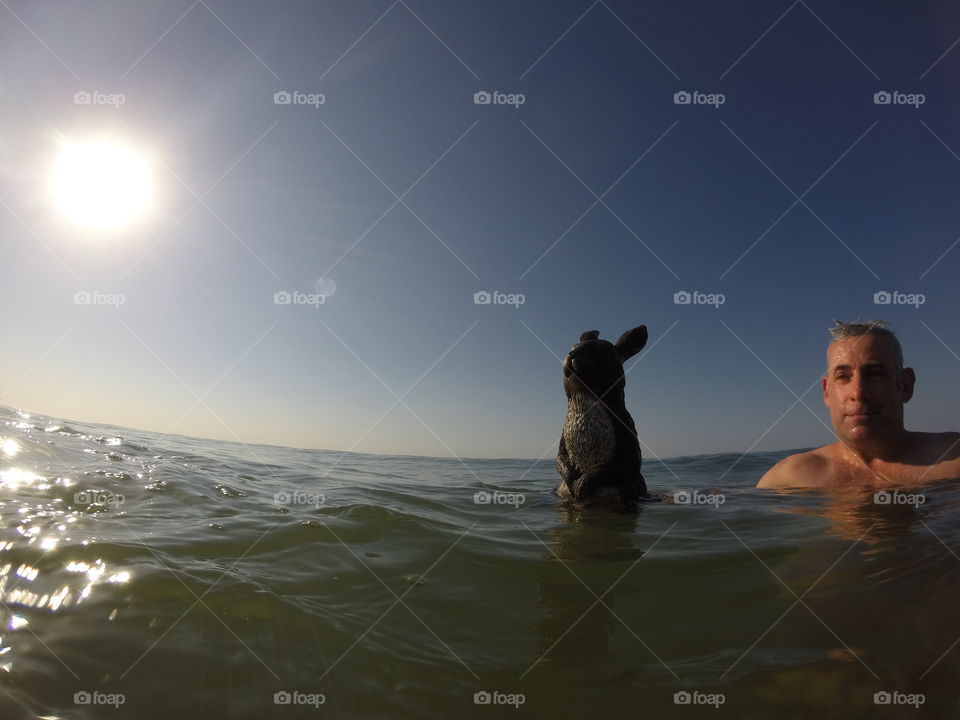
(864,432)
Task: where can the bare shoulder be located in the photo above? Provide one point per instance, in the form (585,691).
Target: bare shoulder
(801,470)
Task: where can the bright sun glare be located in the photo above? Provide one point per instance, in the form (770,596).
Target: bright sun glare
(102,184)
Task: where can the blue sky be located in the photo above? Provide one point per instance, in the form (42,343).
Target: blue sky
(597,199)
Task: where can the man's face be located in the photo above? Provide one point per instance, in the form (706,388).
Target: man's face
(863,389)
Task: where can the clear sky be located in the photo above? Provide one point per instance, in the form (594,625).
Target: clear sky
(782,185)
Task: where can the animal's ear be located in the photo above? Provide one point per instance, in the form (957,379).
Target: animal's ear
(632,342)
(590,335)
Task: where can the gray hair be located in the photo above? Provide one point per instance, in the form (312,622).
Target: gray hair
(846,330)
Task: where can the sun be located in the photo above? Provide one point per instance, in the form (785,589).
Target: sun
(102,184)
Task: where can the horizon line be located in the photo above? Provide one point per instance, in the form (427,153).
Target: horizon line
(30,413)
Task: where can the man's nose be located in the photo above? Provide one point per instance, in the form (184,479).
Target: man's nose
(858,388)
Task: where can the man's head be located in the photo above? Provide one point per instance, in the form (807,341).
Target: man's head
(866,384)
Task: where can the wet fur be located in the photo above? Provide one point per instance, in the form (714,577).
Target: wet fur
(588,432)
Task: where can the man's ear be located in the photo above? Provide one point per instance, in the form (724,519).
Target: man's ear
(823,386)
(908,379)
(631,342)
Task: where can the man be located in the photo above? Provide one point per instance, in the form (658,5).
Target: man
(865,388)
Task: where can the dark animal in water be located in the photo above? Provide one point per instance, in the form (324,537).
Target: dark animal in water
(599,457)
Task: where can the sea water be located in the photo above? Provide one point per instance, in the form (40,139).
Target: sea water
(151,576)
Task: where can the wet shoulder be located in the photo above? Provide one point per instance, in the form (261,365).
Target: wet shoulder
(800,470)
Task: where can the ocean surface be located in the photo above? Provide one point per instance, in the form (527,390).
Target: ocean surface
(149,576)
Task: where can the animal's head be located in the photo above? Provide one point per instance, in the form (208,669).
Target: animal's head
(595,367)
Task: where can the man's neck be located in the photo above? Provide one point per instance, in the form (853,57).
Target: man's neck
(889,449)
